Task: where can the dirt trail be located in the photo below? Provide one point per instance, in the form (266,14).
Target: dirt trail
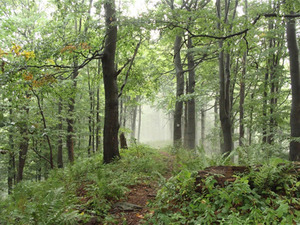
(132,211)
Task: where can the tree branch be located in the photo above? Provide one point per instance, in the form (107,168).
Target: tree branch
(131,63)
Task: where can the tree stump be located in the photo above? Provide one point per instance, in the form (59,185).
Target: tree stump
(123,141)
(226,174)
(221,174)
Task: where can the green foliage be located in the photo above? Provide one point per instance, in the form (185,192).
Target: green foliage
(80,191)
(266,195)
(236,203)
(188,159)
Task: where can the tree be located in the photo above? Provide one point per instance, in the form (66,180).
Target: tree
(295,83)
(111,122)
(191,110)
(177,135)
(225,85)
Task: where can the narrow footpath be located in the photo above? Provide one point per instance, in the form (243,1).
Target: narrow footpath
(134,207)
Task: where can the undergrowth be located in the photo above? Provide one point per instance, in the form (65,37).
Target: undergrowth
(266,195)
(77,193)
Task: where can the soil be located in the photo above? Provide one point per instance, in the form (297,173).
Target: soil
(139,195)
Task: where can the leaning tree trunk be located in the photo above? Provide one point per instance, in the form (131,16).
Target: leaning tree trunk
(295,81)
(111,123)
(177,132)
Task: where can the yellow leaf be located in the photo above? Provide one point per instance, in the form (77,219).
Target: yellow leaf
(50,61)
(140,216)
(28,55)
(16,49)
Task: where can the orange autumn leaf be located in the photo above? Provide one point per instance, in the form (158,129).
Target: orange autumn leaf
(27,76)
(28,55)
(139,216)
(68,48)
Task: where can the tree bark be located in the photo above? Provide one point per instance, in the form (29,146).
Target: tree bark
(191,110)
(242,100)
(133,120)
(60,163)
(242,89)
(224,104)
(45,128)
(91,116)
(177,131)
(203,127)
(140,122)
(111,122)
(70,121)
(11,177)
(23,148)
(185,139)
(11,171)
(295,82)
(98,127)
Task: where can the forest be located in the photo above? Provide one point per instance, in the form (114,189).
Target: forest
(149,112)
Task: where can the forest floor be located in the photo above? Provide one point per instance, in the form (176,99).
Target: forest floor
(133,208)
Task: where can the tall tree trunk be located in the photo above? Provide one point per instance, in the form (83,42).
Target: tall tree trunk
(191,110)
(185,139)
(140,122)
(70,118)
(242,100)
(295,82)
(251,121)
(203,127)
(242,88)
(11,170)
(91,116)
(265,103)
(11,161)
(177,131)
(98,127)
(133,120)
(60,163)
(24,143)
(121,111)
(224,104)
(111,122)
(39,102)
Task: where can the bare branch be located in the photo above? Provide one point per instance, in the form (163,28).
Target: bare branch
(131,63)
